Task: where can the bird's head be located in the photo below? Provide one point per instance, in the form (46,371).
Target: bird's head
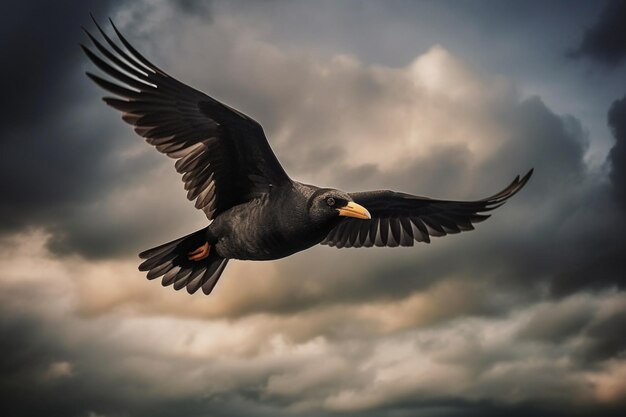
(329,204)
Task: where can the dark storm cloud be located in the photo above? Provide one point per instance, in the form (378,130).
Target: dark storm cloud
(557,245)
(570,214)
(605,41)
(617,155)
(487,408)
(48,160)
(58,142)
(38,41)
(592,257)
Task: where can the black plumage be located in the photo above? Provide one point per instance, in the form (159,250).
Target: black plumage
(255,210)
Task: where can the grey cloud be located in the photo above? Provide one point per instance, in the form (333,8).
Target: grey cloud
(120,364)
(114,377)
(50,160)
(195,7)
(557,324)
(31,345)
(39,45)
(549,241)
(605,41)
(62,159)
(617,155)
(605,339)
(523,309)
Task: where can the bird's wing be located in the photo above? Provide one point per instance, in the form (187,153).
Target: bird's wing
(399,219)
(222,154)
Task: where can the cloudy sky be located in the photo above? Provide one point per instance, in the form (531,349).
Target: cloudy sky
(523,316)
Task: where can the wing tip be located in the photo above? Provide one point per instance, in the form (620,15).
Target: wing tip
(513,188)
(527,176)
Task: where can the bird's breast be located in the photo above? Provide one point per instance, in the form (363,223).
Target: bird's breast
(259,230)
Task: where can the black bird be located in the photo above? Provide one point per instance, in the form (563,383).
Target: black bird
(256,211)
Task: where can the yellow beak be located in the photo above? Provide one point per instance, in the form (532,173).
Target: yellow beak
(353,209)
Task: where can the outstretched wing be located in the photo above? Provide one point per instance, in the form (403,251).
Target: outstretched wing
(399,219)
(223,154)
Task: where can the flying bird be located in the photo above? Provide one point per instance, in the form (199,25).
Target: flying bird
(256,211)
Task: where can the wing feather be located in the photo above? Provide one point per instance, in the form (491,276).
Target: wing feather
(218,149)
(399,219)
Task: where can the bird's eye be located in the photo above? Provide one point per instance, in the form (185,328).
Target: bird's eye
(330,201)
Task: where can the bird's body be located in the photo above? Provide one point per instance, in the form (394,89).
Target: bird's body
(256,211)
(268,227)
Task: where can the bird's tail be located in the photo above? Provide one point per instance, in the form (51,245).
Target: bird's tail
(171,260)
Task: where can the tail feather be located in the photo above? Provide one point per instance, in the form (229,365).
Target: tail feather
(171,261)
(195,237)
(208,280)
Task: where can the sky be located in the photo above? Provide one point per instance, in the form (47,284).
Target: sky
(523,316)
